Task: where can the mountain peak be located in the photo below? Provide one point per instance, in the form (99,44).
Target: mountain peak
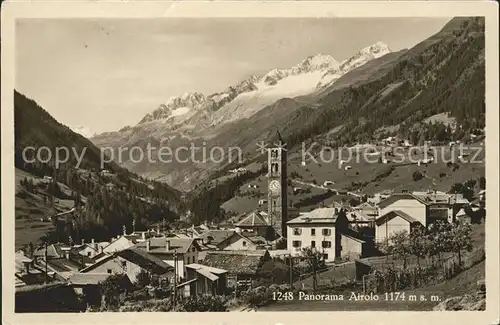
(376,50)
(316,62)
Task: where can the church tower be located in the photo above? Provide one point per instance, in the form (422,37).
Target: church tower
(277,200)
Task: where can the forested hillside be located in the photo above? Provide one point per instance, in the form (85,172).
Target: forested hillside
(444,73)
(104,200)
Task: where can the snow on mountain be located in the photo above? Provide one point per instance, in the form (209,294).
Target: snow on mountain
(176,106)
(82,130)
(256,92)
(362,57)
(308,65)
(249,103)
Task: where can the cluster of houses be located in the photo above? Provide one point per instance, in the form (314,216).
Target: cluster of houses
(348,233)
(197,260)
(208,259)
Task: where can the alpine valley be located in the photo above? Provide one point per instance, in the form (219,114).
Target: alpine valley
(196,117)
(434,90)
(372,93)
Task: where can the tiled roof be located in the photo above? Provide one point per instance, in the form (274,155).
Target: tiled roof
(119,244)
(138,257)
(217,236)
(146,261)
(389,215)
(64,265)
(88,278)
(320,215)
(252,237)
(234,263)
(255,218)
(399,196)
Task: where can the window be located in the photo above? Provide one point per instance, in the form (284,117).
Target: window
(297,231)
(110,271)
(244,243)
(325,256)
(313,232)
(88,254)
(193,249)
(297,243)
(327,232)
(327,244)
(313,244)
(124,265)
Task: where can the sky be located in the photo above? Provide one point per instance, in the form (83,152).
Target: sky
(104,74)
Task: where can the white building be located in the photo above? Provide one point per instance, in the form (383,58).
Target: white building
(403,211)
(325,229)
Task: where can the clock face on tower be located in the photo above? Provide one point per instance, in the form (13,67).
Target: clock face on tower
(275,186)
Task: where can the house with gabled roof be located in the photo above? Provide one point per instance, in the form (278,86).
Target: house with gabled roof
(186,250)
(392,222)
(91,249)
(120,243)
(131,262)
(60,259)
(424,207)
(243,240)
(407,203)
(367,209)
(203,279)
(215,237)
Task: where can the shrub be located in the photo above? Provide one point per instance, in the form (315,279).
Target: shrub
(417,176)
(203,303)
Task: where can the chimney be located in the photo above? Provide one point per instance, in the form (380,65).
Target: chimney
(168,245)
(144,235)
(101,249)
(124,230)
(148,245)
(83,241)
(66,254)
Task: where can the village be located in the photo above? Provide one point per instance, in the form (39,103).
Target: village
(278,246)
